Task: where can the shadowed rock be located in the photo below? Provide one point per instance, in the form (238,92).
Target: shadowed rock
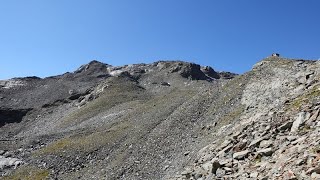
(12,115)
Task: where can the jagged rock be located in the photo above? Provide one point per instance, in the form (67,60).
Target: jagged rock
(300,162)
(208,167)
(265,152)
(291,138)
(225,150)
(225,143)
(265,143)
(227,75)
(12,83)
(241,154)
(240,146)
(186,70)
(9,162)
(93,67)
(256,142)
(210,72)
(220,172)
(298,140)
(299,121)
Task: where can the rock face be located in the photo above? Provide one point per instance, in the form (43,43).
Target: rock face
(164,120)
(12,115)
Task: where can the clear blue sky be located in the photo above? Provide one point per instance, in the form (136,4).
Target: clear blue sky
(49,37)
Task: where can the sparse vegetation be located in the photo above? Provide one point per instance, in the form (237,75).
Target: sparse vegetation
(306,98)
(112,96)
(233,115)
(28,173)
(85,143)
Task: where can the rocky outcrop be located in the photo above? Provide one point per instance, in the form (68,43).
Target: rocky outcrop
(208,71)
(277,136)
(9,162)
(93,67)
(188,70)
(12,115)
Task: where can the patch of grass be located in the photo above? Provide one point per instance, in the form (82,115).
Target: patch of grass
(85,143)
(28,173)
(304,99)
(276,61)
(233,115)
(257,159)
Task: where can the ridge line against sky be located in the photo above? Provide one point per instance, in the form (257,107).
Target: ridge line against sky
(45,38)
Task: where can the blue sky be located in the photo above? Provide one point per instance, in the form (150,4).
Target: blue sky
(44,38)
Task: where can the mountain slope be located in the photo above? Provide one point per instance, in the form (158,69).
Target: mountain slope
(277,136)
(119,119)
(165,120)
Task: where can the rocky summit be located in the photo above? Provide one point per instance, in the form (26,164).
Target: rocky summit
(165,120)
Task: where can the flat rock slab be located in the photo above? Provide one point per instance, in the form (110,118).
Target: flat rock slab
(240,155)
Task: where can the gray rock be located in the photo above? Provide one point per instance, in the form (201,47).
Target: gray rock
(266,152)
(315,175)
(291,138)
(226,162)
(298,122)
(186,173)
(266,143)
(9,162)
(207,166)
(285,126)
(241,154)
(254,175)
(256,142)
(225,144)
(220,172)
(300,162)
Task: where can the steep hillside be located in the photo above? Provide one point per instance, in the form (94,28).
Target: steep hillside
(109,122)
(276,136)
(165,120)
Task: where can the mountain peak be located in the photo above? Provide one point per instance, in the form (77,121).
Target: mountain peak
(93,66)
